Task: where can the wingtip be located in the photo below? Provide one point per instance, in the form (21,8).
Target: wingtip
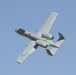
(19,62)
(55,13)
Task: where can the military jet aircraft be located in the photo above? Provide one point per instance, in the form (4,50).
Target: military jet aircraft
(43,38)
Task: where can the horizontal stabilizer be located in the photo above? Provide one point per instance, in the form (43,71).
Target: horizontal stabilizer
(59,42)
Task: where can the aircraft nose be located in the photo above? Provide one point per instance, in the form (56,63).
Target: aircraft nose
(16,30)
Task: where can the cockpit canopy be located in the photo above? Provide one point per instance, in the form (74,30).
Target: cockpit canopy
(20,30)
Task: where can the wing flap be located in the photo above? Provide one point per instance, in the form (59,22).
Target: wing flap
(29,50)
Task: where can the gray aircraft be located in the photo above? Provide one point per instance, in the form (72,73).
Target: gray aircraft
(42,38)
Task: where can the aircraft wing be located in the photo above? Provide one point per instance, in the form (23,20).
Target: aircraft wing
(29,50)
(48,24)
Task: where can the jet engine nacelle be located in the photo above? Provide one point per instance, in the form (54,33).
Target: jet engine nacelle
(48,36)
(41,43)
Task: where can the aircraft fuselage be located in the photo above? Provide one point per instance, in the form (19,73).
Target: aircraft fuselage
(39,40)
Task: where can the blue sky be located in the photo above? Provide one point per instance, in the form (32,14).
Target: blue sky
(30,15)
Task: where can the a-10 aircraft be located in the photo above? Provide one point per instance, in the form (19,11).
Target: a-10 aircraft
(42,38)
